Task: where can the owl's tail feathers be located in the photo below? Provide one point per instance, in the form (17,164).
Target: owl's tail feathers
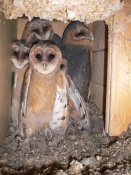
(78,111)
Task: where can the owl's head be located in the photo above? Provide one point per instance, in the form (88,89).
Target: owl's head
(20,53)
(37,29)
(77,33)
(45,57)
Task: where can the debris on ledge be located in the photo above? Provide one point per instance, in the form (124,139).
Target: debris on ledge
(83,10)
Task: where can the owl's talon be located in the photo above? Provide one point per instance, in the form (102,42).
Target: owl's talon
(48,134)
(12,128)
(29,133)
(18,138)
(24,144)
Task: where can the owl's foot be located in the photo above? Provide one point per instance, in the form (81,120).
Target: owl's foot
(48,134)
(25,142)
(24,145)
(49,138)
(12,129)
(12,132)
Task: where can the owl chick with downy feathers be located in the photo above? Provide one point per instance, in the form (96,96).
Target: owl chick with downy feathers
(40,29)
(47,94)
(20,63)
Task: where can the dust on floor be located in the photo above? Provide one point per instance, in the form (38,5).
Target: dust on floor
(77,152)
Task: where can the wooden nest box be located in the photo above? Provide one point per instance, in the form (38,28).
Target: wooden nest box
(116,14)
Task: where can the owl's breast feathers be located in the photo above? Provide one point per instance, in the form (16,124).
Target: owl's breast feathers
(42,92)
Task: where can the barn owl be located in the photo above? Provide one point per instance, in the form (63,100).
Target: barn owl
(20,62)
(48,97)
(76,50)
(40,29)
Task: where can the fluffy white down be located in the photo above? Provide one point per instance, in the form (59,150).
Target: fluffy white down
(20,64)
(49,68)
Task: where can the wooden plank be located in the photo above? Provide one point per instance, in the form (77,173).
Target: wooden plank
(118,108)
(99,64)
(7,35)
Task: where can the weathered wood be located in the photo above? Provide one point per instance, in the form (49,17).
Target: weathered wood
(7,35)
(99,64)
(118,104)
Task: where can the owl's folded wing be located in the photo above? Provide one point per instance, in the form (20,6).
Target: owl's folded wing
(78,111)
(59,121)
(23,101)
(13,84)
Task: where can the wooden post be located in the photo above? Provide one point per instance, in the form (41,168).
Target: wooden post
(118,102)
(7,35)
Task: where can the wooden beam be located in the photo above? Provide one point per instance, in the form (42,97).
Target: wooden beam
(118,102)
(7,35)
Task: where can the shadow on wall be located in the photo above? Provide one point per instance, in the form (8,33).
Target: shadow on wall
(99,64)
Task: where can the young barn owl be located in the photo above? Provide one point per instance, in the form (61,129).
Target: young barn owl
(40,29)
(47,94)
(75,49)
(20,60)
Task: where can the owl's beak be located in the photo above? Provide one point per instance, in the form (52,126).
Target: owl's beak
(38,36)
(44,66)
(19,62)
(47,35)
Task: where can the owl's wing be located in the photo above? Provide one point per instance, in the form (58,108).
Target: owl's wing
(78,111)
(59,121)
(13,84)
(63,66)
(57,40)
(32,38)
(23,101)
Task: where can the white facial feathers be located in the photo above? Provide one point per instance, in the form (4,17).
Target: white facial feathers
(45,59)
(20,53)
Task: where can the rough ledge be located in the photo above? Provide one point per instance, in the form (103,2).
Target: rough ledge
(63,10)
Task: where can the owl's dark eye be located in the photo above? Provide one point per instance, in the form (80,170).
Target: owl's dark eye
(51,56)
(27,54)
(45,28)
(15,53)
(39,57)
(36,30)
(80,34)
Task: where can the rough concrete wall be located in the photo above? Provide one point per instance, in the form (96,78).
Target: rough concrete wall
(99,64)
(7,34)
(82,10)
